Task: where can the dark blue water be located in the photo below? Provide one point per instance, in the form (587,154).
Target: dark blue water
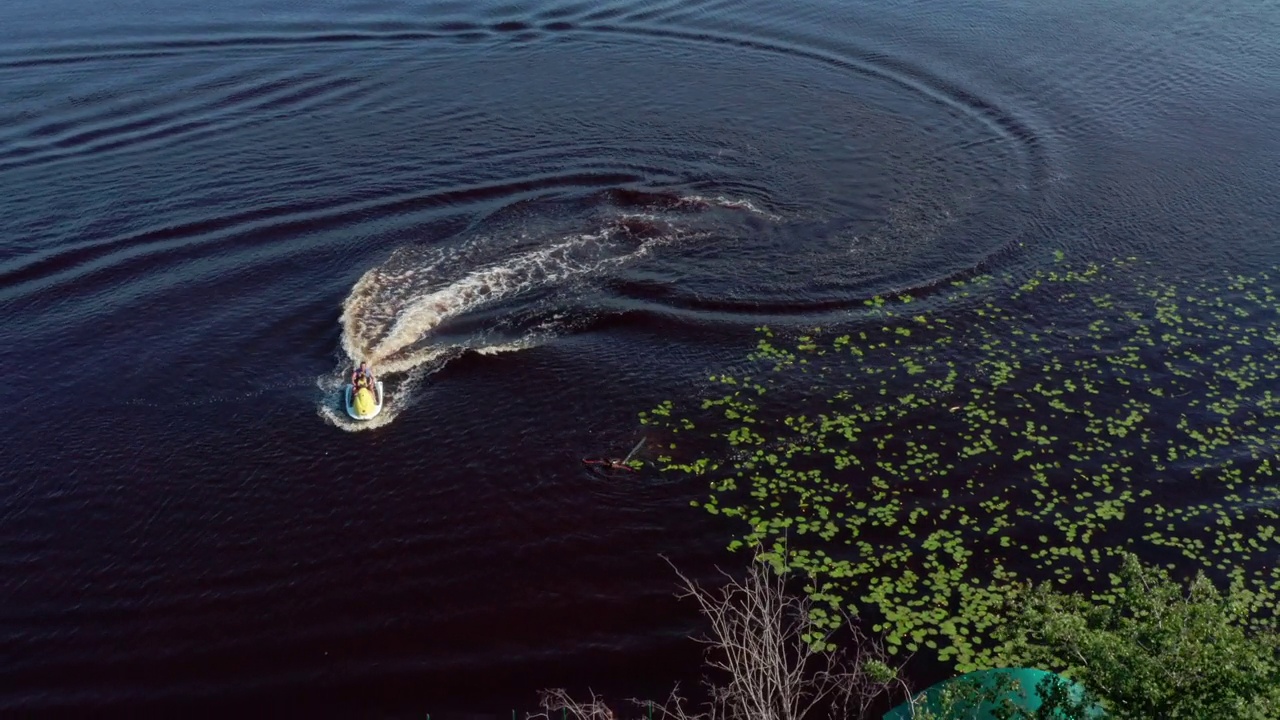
(537,219)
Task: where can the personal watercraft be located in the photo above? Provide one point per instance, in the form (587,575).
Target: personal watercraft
(364,403)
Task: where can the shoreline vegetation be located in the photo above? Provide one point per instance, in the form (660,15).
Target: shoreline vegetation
(1074,471)
(1148,648)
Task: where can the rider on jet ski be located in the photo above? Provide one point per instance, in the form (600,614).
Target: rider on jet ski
(362,376)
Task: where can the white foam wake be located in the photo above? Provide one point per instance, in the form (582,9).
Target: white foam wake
(393,345)
(393,314)
(729,203)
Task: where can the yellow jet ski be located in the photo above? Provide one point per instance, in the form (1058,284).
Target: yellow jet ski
(364,403)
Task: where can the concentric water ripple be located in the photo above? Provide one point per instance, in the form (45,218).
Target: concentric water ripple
(563,212)
(901,139)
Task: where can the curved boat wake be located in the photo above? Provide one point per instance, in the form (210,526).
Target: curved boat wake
(412,314)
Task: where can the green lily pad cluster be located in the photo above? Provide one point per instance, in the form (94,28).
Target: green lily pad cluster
(921,467)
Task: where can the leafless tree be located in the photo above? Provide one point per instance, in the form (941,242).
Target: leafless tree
(558,701)
(773,660)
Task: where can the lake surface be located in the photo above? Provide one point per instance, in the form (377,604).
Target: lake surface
(537,219)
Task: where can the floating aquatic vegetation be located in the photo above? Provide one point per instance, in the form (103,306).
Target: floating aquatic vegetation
(1008,431)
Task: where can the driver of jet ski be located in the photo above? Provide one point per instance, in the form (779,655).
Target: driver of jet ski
(362,376)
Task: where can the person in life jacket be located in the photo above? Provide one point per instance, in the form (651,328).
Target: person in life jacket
(362,376)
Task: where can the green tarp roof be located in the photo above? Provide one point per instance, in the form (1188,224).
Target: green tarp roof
(980,696)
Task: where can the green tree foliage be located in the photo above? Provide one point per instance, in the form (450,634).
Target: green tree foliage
(1151,649)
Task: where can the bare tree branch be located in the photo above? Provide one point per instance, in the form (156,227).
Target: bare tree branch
(772,657)
(557,701)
